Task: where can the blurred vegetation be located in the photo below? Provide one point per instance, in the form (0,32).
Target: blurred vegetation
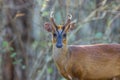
(26,48)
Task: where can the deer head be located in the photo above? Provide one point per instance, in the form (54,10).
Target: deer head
(59,32)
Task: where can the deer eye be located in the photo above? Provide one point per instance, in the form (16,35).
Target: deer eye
(54,35)
(64,35)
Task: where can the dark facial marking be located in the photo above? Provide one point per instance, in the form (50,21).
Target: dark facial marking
(54,35)
(64,35)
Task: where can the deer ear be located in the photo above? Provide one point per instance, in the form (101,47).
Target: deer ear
(48,27)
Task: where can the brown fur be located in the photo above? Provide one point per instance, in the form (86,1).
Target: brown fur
(88,62)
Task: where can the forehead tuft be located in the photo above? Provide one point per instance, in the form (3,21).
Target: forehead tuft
(60,27)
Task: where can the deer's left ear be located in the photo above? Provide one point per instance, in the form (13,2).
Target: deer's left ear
(48,27)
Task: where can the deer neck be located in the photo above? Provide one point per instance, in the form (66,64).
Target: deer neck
(59,54)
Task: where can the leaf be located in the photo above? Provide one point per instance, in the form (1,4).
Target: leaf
(11,49)
(4,44)
(50,70)
(17,61)
(13,55)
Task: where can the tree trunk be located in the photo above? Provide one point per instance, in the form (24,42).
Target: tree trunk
(17,34)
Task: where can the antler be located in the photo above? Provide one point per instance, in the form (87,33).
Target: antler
(52,20)
(68,20)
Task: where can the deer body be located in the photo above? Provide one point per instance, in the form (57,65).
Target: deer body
(88,62)
(83,62)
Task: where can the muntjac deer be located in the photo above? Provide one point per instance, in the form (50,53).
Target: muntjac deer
(82,62)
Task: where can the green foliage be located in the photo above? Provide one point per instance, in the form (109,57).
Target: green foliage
(17,61)
(11,49)
(34,44)
(45,13)
(13,55)
(5,44)
(43,44)
(50,70)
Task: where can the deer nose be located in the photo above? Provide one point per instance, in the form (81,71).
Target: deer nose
(59,45)
(59,42)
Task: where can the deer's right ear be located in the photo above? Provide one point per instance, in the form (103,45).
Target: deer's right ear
(48,26)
